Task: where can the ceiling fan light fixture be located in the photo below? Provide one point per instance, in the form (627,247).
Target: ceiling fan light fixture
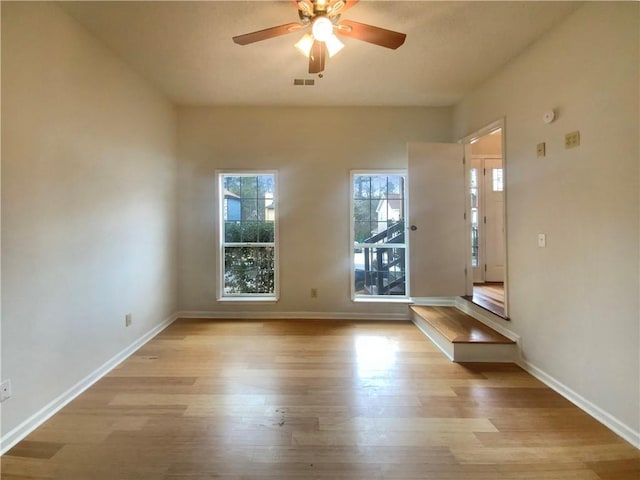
(333,45)
(304,44)
(322,29)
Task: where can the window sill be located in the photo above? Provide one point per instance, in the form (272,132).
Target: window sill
(248,299)
(381,300)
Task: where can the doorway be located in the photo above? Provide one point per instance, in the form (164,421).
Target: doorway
(486,286)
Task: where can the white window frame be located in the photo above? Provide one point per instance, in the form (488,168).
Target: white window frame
(378,298)
(246,297)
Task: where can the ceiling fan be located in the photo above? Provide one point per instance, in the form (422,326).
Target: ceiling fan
(323,16)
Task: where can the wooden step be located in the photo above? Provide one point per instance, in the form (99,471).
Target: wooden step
(461,337)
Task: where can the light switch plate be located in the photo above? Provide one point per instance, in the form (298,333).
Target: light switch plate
(572,139)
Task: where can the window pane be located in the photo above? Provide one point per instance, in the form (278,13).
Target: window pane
(249,187)
(248,270)
(497,180)
(473,187)
(395,185)
(379,271)
(265,186)
(361,187)
(362,210)
(250,231)
(266,232)
(249,209)
(378,186)
(232,185)
(363,230)
(232,232)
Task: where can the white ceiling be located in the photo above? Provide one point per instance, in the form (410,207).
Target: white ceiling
(185,49)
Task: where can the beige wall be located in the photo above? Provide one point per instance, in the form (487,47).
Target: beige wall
(574,303)
(88,206)
(313,150)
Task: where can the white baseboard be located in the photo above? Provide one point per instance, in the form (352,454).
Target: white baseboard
(608,420)
(34,421)
(294,315)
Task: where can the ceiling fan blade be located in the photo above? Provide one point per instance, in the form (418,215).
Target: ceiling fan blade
(369,33)
(305,6)
(340,6)
(317,57)
(267,33)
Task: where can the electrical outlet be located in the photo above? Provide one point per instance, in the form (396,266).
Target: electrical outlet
(314,293)
(5,390)
(541,149)
(572,139)
(542,240)
(128,320)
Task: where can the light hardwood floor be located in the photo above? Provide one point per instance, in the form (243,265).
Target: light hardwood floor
(315,400)
(489,296)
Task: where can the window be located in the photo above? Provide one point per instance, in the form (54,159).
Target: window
(378,206)
(248,254)
(473,186)
(497,182)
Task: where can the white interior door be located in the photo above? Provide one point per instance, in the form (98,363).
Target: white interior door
(437,232)
(494,224)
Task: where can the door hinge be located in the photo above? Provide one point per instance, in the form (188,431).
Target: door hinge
(465,215)
(485,267)
(485,219)
(465,271)
(464,160)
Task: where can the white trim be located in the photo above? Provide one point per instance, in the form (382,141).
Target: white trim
(608,420)
(486,130)
(248,299)
(439,340)
(11,438)
(488,318)
(435,301)
(294,315)
(382,299)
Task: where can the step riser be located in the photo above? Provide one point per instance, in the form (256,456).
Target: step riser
(491,353)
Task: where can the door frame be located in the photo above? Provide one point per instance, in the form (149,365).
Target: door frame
(466,142)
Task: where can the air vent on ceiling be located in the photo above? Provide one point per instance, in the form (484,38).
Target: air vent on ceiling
(304,81)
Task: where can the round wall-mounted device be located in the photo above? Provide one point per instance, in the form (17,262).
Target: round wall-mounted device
(549,116)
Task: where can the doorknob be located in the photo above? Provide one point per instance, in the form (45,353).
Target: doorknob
(413,228)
